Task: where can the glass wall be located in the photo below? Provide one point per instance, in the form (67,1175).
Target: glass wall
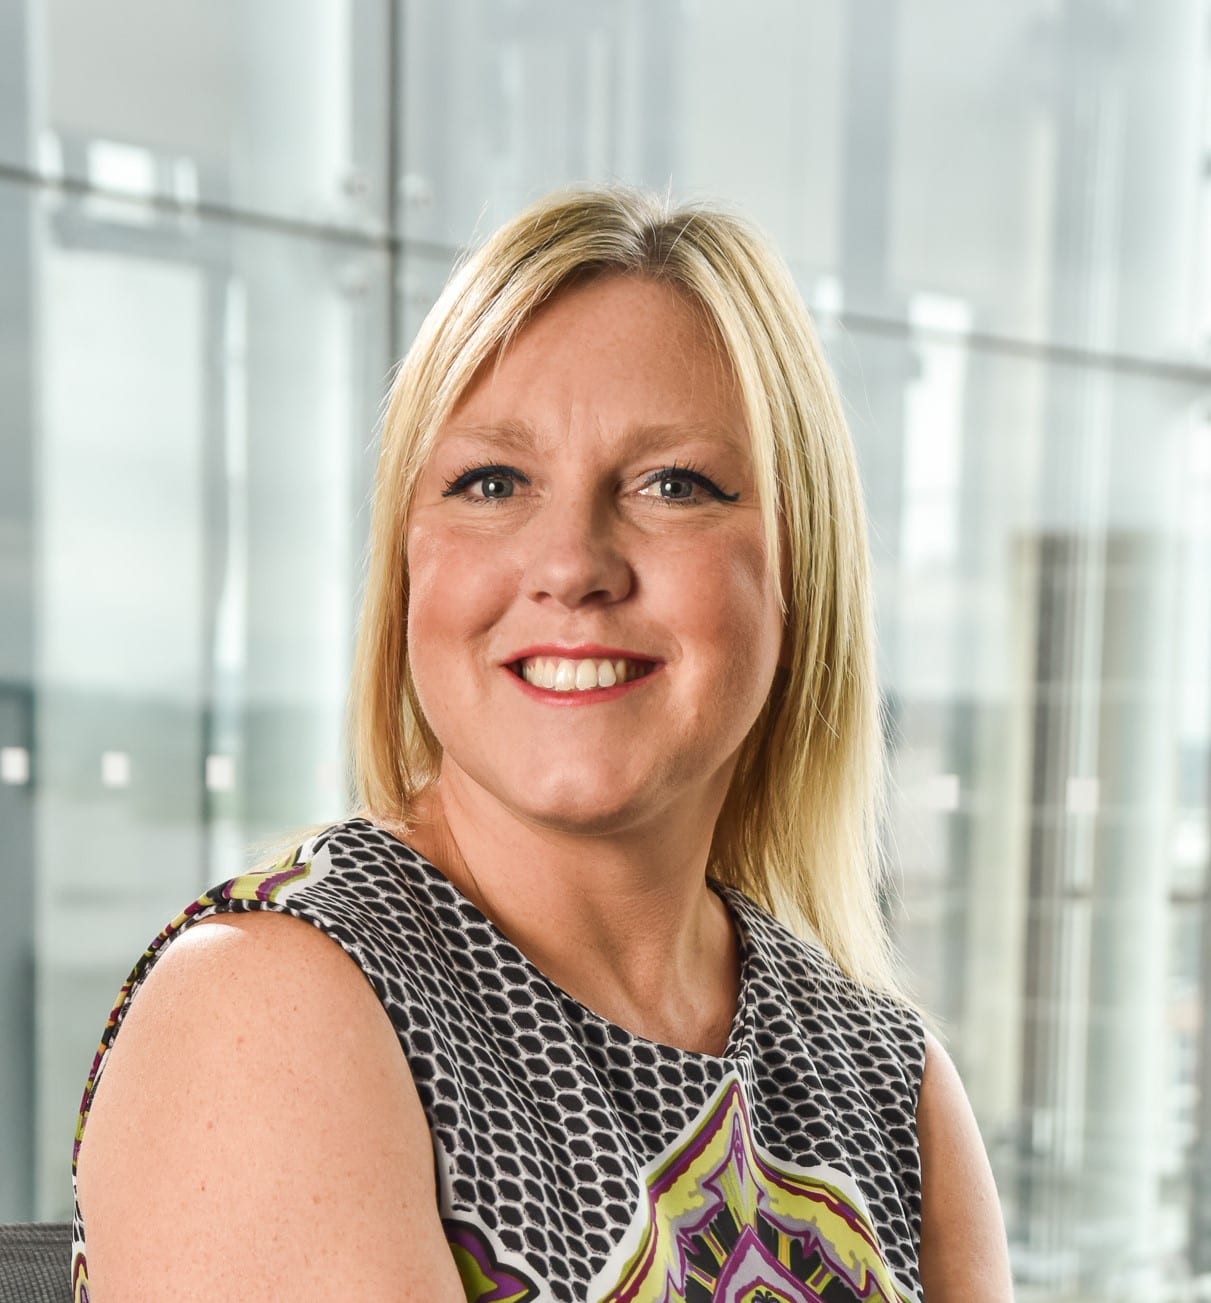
(222,224)
(197,327)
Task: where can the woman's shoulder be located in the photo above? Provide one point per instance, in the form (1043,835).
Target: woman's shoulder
(243,968)
(255,977)
(277,924)
(256,1067)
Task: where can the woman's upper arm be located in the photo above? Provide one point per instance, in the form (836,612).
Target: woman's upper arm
(256,1133)
(963,1250)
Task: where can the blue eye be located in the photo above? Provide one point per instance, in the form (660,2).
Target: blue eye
(496,483)
(496,486)
(678,484)
(676,488)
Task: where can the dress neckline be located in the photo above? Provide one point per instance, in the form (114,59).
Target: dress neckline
(738,1041)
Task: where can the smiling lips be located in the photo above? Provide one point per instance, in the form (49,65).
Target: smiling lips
(558,674)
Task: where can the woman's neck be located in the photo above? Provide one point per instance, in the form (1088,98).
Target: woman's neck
(623,922)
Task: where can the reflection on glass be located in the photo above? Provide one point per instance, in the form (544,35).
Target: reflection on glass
(279,107)
(1039,163)
(1047,679)
(204,394)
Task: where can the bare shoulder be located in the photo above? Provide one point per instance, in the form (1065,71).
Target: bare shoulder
(963,1250)
(256,1133)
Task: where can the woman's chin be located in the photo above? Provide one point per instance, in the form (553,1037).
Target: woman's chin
(580,795)
(586,813)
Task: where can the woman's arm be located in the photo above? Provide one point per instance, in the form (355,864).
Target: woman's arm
(963,1251)
(257,1135)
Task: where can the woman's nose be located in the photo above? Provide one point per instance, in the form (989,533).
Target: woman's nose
(575,555)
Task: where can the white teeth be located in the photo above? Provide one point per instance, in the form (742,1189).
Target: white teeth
(579,675)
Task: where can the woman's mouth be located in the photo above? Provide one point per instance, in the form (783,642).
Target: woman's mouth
(583,674)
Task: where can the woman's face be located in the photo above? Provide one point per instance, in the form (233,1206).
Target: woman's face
(592,623)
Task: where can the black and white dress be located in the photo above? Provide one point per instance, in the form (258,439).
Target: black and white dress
(579,1163)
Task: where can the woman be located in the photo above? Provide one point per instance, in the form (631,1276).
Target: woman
(614,701)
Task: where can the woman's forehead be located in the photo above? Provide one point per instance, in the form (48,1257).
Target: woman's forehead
(649,329)
(623,353)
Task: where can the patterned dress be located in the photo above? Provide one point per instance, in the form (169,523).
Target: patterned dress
(578,1163)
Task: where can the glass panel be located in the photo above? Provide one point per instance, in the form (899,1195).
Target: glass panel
(279,107)
(1041,163)
(14,82)
(1044,575)
(17,873)
(422,279)
(204,397)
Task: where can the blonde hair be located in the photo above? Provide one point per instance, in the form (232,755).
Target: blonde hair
(798,831)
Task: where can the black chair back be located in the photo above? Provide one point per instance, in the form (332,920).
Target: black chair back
(35,1263)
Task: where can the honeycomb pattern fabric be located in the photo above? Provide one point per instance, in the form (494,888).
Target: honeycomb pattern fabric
(579,1162)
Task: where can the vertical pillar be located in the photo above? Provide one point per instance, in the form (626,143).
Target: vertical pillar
(17,862)
(1096,958)
(1055,574)
(1121,1162)
(1084,107)
(1200,1154)
(870,44)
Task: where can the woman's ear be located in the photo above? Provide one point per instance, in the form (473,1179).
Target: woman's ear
(786,650)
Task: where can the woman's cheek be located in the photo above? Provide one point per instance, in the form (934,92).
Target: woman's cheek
(458,585)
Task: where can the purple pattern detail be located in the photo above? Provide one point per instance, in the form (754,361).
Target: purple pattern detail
(508,1284)
(272,881)
(749,1264)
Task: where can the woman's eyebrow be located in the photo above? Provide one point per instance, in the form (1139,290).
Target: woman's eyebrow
(514,435)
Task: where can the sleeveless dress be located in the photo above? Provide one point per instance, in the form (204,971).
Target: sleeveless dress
(578,1163)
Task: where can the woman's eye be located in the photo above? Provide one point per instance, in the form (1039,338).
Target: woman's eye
(675,484)
(676,487)
(496,486)
(494,483)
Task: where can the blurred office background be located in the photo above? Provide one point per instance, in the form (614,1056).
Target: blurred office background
(220,222)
